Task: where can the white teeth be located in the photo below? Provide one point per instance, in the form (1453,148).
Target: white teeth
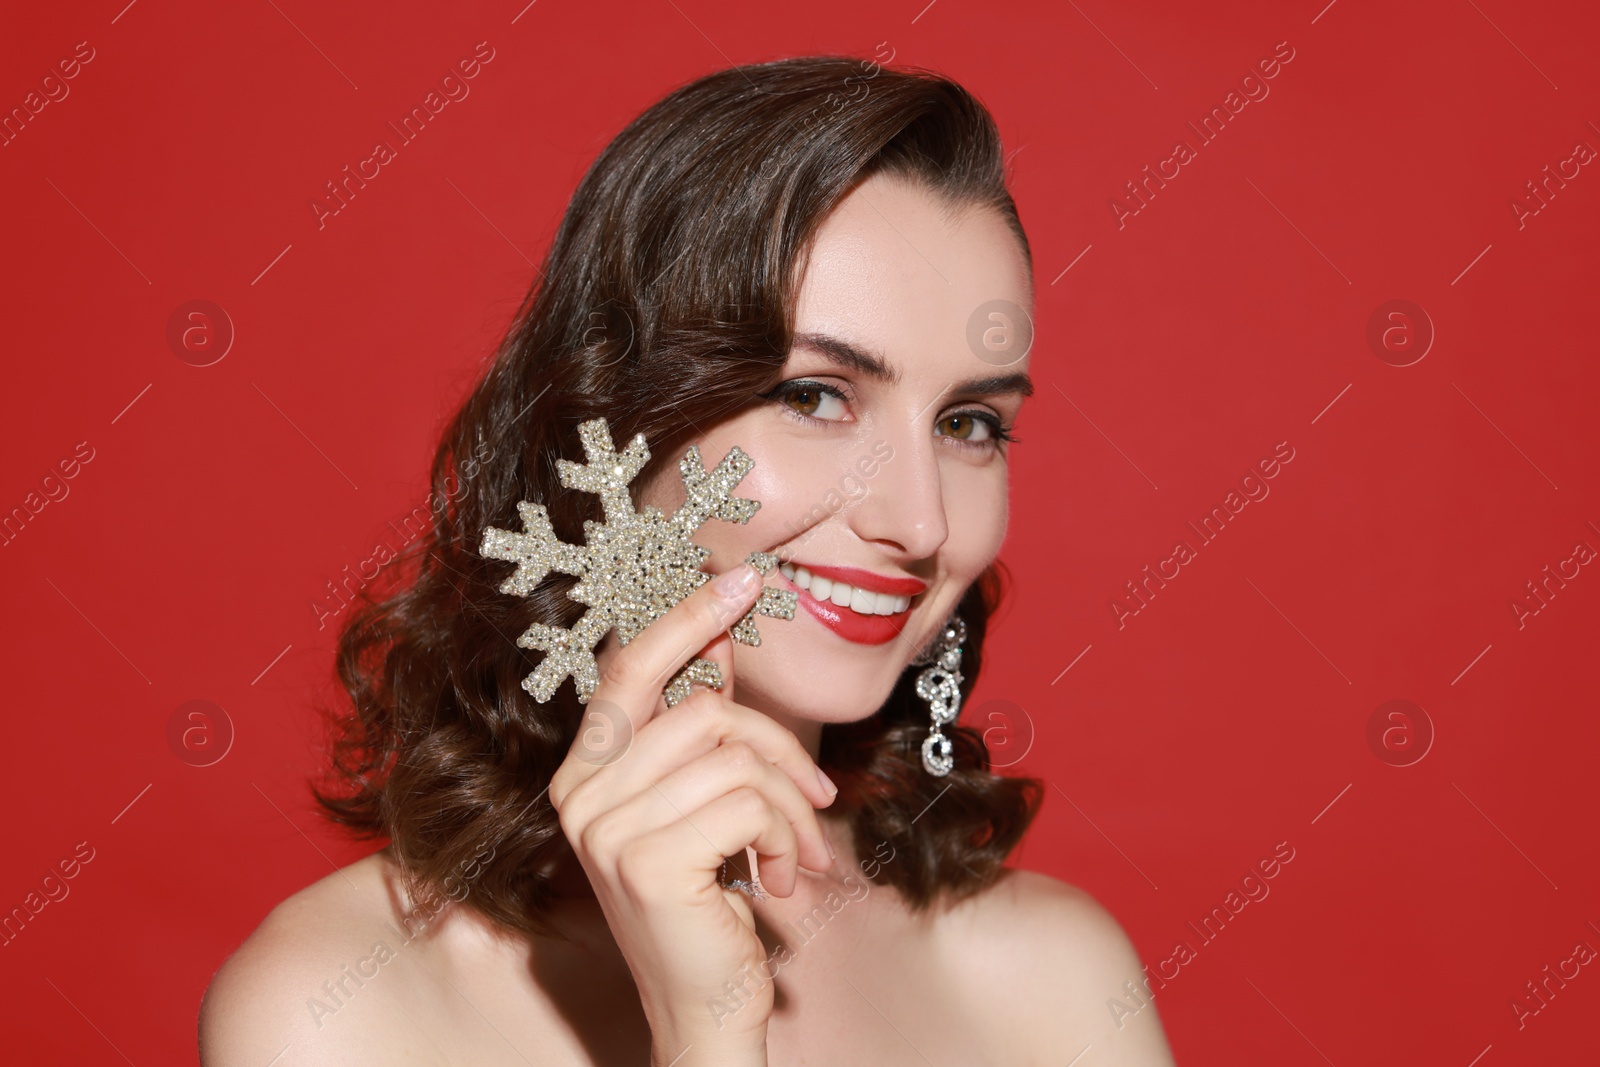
(862,601)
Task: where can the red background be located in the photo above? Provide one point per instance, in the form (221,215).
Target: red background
(1229,314)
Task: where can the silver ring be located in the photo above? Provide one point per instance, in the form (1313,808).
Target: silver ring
(752,888)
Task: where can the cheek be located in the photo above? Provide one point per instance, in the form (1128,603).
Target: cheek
(783,483)
(793,488)
(797,490)
(977,510)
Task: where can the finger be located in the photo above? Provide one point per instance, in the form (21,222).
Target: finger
(742,764)
(696,727)
(640,670)
(629,692)
(705,837)
(725,769)
(719,651)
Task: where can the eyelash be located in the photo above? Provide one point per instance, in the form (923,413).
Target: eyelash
(999,431)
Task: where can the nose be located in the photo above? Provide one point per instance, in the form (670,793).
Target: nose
(904,508)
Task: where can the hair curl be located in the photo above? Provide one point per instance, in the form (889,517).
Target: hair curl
(674,274)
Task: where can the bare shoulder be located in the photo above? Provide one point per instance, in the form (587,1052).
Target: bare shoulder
(296,981)
(1058,964)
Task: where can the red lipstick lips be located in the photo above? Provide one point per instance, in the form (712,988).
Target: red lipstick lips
(847,623)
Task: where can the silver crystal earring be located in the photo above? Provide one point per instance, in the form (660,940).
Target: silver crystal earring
(940,686)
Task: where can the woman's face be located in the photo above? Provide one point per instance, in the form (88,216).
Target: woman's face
(878,453)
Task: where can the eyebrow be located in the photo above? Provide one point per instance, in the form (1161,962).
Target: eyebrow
(874,365)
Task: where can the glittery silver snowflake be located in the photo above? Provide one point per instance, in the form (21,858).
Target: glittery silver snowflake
(633,567)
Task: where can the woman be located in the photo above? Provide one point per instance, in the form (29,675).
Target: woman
(814,261)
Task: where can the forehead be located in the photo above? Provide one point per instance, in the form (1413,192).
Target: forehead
(896,268)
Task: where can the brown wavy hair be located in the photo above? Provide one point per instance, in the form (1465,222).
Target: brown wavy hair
(665,304)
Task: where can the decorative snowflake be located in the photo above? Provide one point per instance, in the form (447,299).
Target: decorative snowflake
(633,567)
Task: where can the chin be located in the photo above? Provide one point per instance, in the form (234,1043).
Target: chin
(802,696)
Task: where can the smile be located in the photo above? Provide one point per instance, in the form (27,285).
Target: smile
(857,605)
(858,599)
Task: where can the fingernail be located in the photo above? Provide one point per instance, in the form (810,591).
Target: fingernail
(827,783)
(736,582)
(829,842)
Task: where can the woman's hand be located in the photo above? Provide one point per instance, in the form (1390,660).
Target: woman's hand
(653,811)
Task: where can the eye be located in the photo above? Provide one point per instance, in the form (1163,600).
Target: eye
(976,429)
(808,401)
(813,402)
